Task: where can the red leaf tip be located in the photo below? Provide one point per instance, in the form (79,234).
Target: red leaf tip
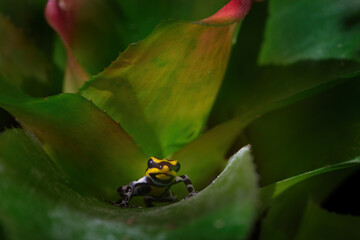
(59,15)
(234,11)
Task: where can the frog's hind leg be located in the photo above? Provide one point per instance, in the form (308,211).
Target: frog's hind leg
(168,196)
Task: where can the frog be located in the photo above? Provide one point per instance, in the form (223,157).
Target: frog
(155,185)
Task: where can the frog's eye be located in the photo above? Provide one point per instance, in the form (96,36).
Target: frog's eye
(177,167)
(150,163)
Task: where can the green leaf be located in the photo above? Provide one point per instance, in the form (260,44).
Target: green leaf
(117,23)
(252,89)
(317,223)
(59,208)
(209,151)
(140,16)
(316,132)
(162,89)
(283,218)
(96,20)
(23,65)
(78,135)
(272,191)
(317,30)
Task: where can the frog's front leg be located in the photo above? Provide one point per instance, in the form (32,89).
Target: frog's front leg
(126,194)
(186,180)
(127,191)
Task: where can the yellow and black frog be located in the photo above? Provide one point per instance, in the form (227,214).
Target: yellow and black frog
(160,175)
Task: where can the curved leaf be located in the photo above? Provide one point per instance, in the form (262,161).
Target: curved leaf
(301,30)
(284,217)
(270,192)
(79,136)
(112,25)
(318,131)
(60,15)
(162,88)
(248,87)
(141,17)
(59,209)
(209,151)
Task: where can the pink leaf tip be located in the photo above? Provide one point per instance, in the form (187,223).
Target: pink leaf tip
(60,14)
(234,11)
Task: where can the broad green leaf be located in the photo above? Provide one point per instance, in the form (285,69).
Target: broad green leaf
(23,65)
(270,192)
(318,131)
(117,23)
(283,218)
(317,223)
(249,88)
(70,19)
(307,29)
(60,209)
(209,152)
(79,136)
(162,89)
(141,16)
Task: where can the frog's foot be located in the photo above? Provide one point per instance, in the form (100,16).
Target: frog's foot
(190,195)
(121,204)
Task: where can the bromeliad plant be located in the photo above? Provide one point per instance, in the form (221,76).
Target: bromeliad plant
(290,90)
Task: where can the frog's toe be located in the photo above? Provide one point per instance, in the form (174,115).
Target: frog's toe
(192,194)
(124,205)
(121,204)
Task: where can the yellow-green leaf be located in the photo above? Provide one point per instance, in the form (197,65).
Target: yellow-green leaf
(161,89)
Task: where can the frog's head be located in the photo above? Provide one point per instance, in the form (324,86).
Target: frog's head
(162,170)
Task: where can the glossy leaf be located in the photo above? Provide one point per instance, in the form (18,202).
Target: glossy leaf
(23,65)
(162,89)
(28,176)
(316,30)
(79,136)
